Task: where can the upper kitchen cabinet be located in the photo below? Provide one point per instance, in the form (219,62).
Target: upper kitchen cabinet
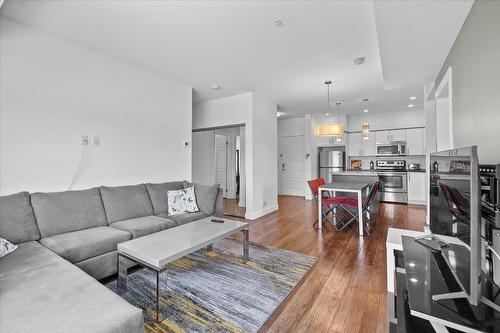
(384,137)
(368,146)
(354,147)
(358,146)
(415,143)
(398,135)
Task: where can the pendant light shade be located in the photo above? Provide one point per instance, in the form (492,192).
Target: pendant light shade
(333,129)
(329,130)
(366,131)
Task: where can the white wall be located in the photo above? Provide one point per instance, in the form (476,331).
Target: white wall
(203,147)
(259,137)
(53,91)
(386,120)
(476,81)
(264,143)
(232,110)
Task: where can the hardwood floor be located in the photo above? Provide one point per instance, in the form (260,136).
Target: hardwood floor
(346,289)
(231,208)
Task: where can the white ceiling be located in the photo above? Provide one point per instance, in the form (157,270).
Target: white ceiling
(237,45)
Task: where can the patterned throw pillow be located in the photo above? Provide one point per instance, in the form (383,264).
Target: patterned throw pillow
(182,201)
(6,247)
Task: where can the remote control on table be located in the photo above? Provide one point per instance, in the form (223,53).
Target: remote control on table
(217,220)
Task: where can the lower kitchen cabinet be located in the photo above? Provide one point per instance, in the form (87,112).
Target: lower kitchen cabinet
(417,189)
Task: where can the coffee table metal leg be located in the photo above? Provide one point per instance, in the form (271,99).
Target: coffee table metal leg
(159,276)
(245,244)
(122,280)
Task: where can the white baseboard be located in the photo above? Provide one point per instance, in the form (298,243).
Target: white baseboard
(260,213)
(417,202)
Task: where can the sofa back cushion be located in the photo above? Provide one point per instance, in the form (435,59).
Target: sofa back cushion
(17,222)
(206,196)
(61,212)
(126,202)
(158,195)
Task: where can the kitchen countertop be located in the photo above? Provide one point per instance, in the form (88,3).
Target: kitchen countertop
(419,170)
(356,173)
(366,172)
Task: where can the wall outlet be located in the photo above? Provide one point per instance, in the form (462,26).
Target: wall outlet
(96,141)
(84,140)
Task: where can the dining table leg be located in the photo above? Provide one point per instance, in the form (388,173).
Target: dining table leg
(360,212)
(320,215)
(334,194)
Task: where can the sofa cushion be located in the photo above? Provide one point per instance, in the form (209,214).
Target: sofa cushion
(126,202)
(145,225)
(206,196)
(41,292)
(185,218)
(182,201)
(17,222)
(83,244)
(6,247)
(62,212)
(158,195)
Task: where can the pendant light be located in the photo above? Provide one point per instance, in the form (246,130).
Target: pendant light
(366,131)
(330,130)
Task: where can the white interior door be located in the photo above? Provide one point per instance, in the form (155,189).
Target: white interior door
(292,165)
(221,161)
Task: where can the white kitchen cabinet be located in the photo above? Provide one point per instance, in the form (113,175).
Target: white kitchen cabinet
(382,137)
(417,188)
(369,147)
(415,141)
(398,135)
(354,146)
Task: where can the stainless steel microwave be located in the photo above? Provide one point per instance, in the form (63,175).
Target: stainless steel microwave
(396,148)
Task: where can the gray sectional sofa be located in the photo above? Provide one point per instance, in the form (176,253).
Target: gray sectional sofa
(67,241)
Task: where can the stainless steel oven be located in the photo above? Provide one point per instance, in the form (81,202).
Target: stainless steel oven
(396,148)
(393,175)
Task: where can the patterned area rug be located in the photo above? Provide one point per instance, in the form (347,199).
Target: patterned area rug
(216,291)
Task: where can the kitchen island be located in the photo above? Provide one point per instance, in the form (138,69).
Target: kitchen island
(353,175)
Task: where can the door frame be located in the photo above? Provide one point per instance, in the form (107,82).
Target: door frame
(446,82)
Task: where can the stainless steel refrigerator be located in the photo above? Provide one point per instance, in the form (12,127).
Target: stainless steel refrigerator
(331,159)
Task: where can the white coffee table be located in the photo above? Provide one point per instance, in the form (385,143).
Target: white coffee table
(155,251)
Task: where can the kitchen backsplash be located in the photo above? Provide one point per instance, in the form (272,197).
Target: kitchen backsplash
(366,160)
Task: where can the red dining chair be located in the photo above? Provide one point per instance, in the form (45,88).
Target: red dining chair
(329,205)
(350,206)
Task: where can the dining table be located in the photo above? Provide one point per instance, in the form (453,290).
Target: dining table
(357,187)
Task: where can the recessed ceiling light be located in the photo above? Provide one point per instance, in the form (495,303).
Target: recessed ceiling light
(410,105)
(327,114)
(366,99)
(413,98)
(215,87)
(277,21)
(359,61)
(365,110)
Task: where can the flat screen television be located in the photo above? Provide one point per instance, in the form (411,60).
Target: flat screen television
(455,211)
